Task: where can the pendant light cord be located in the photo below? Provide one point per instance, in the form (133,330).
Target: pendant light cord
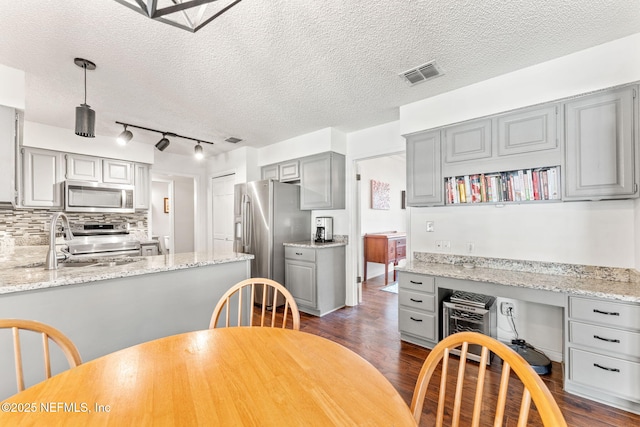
(85,83)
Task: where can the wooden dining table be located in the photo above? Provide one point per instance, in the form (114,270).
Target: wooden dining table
(240,376)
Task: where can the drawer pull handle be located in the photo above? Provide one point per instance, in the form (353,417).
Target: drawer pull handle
(415,300)
(414,319)
(415,283)
(608,313)
(298,253)
(606,339)
(606,369)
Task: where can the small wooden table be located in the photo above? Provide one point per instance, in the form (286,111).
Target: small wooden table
(385,248)
(228,377)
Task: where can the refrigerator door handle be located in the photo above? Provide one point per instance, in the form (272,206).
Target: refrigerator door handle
(246,225)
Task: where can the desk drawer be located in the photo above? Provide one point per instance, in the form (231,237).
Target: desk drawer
(605,312)
(603,338)
(417,300)
(300,254)
(416,323)
(616,376)
(419,282)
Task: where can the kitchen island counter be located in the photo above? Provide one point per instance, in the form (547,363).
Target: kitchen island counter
(315,245)
(21,270)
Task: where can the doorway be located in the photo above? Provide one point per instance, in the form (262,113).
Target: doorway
(222,189)
(173,201)
(381,209)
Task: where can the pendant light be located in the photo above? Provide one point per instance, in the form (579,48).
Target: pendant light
(85,116)
(199,151)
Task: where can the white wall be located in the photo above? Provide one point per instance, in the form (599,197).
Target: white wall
(327,139)
(12,87)
(60,139)
(184,214)
(160,221)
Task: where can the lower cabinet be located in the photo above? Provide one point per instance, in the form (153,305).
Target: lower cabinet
(417,309)
(316,278)
(603,351)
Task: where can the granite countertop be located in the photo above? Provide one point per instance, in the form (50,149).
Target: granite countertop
(21,267)
(586,286)
(314,245)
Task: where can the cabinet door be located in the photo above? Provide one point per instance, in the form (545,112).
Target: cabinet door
(315,182)
(270,172)
(289,171)
(424,174)
(300,280)
(527,131)
(117,172)
(601,146)
(84,168)
(468,141)
(42,177)
(7,154)
(142,189)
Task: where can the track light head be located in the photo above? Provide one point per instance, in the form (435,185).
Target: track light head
(125,136)
(163,143)
(199,151)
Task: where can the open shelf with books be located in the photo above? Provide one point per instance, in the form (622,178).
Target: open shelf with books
(523,185)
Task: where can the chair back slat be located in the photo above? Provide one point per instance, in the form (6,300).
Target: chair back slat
(265,285)
(47,333)
(534,388)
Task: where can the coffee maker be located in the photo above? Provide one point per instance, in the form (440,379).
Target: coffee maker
(324,229)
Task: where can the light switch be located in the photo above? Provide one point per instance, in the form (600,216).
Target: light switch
(430,226)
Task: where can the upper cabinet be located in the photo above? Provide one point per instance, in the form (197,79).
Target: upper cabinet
(42,176)
(288,171)
(322,181)
(83,168)
(601,155)
(142,179)
(527,131)
(271,172)
(468,141)
(8,127)
(424,176)
(117,171)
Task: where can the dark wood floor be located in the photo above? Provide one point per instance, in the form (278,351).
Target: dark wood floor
(371,330)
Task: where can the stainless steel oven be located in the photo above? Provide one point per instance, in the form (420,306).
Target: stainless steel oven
(103,240)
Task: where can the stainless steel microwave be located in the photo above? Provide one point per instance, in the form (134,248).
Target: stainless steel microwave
(87,196)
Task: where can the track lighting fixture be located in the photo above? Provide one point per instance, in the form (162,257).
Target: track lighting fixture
(163,143)
(85,116)
(125,136)
(199,151)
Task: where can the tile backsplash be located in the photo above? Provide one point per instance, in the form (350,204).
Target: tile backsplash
(29,227)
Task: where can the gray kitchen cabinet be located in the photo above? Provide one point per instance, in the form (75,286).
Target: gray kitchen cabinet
(417,309)
(603,351)
(83,168)
(271,172)
(322,181)
(468,141)
(526,131)
(117,171)
(8,120)
(424,173)
(289,171)
(142,186)
(601,152)
(316,278)
(42,176)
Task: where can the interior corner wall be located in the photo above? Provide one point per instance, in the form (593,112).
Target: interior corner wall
(12,87)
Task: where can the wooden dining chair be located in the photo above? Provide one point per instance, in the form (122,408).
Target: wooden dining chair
(534,387)
(279,291)
(48,332)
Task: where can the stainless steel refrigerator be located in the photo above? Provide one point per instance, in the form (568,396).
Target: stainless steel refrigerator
(266,215)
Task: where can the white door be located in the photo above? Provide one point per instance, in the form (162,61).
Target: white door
(222,199)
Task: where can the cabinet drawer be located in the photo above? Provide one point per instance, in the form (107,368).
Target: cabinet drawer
(616,376)
(418,282)
(603,338)
(416,323)
(417,300)
(605,312)
(302,254)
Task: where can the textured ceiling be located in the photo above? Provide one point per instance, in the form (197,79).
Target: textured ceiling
(269,70)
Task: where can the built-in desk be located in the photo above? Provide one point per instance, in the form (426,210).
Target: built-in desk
(385,248)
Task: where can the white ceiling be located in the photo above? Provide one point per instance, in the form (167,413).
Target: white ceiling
(269,70)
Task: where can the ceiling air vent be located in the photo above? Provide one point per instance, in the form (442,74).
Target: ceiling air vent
(422,73)
(233,140)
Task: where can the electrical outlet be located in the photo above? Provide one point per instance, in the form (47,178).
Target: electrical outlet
(140,224)
(470,247)
(446,245)
(430,226)
(439,245)
(506,308)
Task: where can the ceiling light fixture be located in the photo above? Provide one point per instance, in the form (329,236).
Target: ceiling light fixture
(199,151)
(163,143)
(190,15)
(125,136)
(85,116)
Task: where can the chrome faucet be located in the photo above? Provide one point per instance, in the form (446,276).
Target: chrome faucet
(51,263)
